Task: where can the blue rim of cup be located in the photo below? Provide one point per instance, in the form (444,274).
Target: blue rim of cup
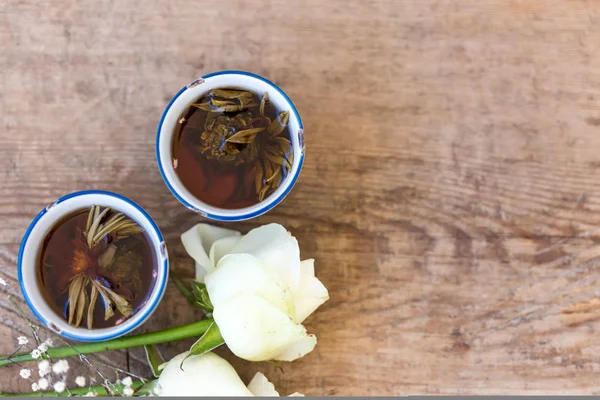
(146,310)
(243,216)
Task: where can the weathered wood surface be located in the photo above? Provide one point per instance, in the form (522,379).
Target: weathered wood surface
(449,194)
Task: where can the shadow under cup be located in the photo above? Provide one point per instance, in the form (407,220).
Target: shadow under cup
(168,127)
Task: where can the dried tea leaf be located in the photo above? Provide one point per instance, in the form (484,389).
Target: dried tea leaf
(96,212)
(263,192)
(221,103)
(108,305)
(90,219)
(90,313)
(268,170)
(258,177)
(74,290)
(277,159)
(203,106)
(279,124)
(263,101)
(93,229)
(246,136)
(122,227)
(127,264)
(230,93)
(107,257)
(289,161)
(275,176)
(122,305)
(284,144)
(234,107)
(113,221)
(81,305)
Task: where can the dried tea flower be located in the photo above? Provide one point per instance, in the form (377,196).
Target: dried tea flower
(239,143)
(107,268)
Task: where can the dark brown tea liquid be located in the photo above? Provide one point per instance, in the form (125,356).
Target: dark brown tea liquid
(228,185)
(65,254)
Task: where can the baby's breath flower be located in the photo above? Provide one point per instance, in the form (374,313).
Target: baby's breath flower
(25,373)
(48,342)
(59,387)
(3,282)
(43,383)
(157,390)
(22,340)
(90,394)
(44,368)
(35,387)
(60,367)
(127,391)
(43,347)
(80,381)
(36,354)
(127,381)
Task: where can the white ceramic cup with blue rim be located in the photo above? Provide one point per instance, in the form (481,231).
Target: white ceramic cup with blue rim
(31,246)
(181,102)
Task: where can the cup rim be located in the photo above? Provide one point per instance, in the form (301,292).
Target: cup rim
(160,284)
(217,213)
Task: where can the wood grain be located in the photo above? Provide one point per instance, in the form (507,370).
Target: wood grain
(449,192)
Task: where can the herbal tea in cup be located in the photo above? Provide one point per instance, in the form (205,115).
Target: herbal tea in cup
(92,266)
(230,145)
(97,267)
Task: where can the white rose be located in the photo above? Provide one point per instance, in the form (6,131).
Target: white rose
(209,375)
(260,290)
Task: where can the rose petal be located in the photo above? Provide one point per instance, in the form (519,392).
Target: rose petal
(278,252)
(254,329)
(261,387)
(222,247)
(311,293)
(198,241)
(205,375)
(200,273)
(298,349)
(238,274)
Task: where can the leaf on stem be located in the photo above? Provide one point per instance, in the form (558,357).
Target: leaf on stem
(148,389)
(201,296)
(209,341)
(154,358)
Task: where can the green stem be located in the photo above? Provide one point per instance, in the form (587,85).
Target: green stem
(99,390)
(182,288)
(195,329)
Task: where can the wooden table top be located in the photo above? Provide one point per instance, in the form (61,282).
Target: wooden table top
(448,196)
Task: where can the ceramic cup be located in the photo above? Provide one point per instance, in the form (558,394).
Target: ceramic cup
(28,263)
(181,102)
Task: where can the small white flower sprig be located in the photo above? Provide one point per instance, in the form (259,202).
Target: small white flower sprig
(52,375)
